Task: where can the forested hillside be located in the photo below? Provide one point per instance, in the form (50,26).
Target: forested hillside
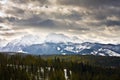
(69,67)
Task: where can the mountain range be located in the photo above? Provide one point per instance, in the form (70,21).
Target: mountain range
(61,45)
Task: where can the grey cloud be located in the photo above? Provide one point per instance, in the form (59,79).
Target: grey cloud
(1,27)
(94,18)
(112,23)
(82,28)
(103,13)
(15,11)
(32,21)
(18,10)
(7,34)
(89,2)
(74,16)
(10,19)
(2,20)
(100,11)
(37,22)
(31,1)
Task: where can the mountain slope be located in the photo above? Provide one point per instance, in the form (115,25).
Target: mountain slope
(48,48)
(18,44)
(59,44)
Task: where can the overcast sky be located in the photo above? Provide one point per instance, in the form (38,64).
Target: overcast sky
(88,20)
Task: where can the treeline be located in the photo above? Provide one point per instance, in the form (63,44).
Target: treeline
(103,61)
(28,67)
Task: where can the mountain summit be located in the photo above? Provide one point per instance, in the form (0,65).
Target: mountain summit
(49,48)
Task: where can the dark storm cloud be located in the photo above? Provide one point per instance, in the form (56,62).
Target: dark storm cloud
(32,21)
(74,15)
(2,20)
(89,19)
(37,22)
(103,13)
(90,2)
(10,19)
(1,27)
(30,1)
(81,29)
(112,23)
(15,11)
(100,10)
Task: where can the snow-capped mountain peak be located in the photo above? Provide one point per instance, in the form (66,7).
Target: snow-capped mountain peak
(59,44)
(17,44)
(26,40)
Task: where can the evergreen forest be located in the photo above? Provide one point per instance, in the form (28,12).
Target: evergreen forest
(58,67)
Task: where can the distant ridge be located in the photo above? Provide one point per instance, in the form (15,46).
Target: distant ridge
(49,48)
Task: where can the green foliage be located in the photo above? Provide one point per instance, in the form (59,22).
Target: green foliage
(70,67)
(57,75)
(7,73)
